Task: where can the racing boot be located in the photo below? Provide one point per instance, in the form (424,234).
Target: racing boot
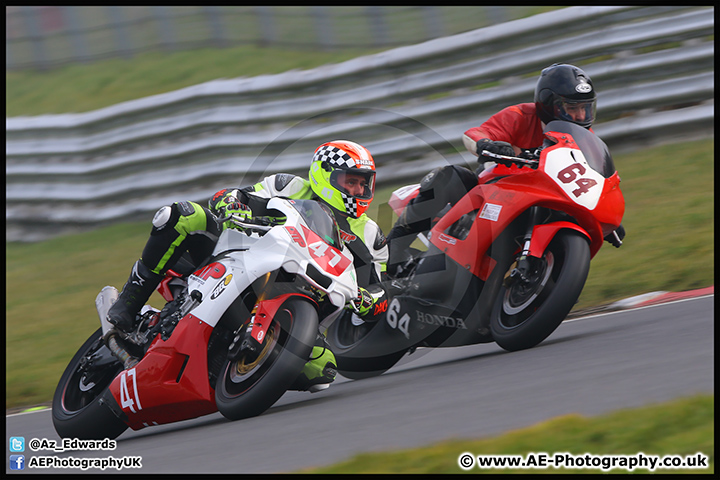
(135,293)
(320,371)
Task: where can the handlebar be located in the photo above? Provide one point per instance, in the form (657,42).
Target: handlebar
(245,225)
(504,159)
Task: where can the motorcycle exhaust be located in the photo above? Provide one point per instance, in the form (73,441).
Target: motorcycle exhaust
(120,353)
(103,302)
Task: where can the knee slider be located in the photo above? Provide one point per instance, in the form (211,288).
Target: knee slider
(429,180)
(448,175)
(162,217)
(446,184)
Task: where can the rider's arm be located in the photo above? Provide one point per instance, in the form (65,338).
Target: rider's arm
(517,125)
(376,243)
(472,136)
(256,196)
(280,185)
(372,298)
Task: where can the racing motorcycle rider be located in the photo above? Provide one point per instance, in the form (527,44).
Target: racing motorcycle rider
(562,92)
(342,175)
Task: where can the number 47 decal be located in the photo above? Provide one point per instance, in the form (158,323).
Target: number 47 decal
(319,250)
(126,400)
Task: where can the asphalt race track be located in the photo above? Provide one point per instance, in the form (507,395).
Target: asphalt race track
(590,366)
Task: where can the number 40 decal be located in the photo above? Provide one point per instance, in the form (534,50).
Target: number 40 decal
(568,175)
(125,399)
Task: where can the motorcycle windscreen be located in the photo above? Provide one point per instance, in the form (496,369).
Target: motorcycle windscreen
(595,151)
(319,217)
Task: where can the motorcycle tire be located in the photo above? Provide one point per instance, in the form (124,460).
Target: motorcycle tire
(247,390)
(344,338)
(76,409)
(526,314)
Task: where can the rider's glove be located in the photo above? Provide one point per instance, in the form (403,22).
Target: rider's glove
(221,200)
(239,211)
(616,241)
(499,148)
(363,303)
(225,203)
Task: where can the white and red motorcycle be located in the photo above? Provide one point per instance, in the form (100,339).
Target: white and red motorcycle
(234,335)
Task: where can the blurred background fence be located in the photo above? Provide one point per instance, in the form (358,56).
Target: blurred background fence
(48,36)
(653,68)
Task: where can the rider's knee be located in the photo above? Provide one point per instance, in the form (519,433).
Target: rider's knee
(182,217)
(432,179)
(448,183)
(162,218)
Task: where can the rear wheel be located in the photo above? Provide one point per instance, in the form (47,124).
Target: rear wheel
(526,313)
(246,387)
(76,409)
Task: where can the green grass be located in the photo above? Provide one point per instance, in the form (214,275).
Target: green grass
(81,88)
(671,214)
(683,427)
(84,87)
(669,218)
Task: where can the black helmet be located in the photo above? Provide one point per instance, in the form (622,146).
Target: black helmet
(565,92)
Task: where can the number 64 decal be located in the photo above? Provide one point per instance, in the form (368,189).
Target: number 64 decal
(403,324)
(568,175)
(125,399)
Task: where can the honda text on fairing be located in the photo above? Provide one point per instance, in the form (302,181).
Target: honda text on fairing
(506,263)
(234,335)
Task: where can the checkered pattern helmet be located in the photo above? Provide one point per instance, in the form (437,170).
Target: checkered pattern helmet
(335,164)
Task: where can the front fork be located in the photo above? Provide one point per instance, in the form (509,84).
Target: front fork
(522,265)
(249,338)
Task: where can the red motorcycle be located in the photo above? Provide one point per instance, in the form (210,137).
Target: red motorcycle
(506,263)
(233,337)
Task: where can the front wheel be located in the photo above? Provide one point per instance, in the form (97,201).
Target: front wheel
(247,387)
(76,409)
(526,313)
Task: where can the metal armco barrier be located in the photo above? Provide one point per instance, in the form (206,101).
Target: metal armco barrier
(653,68)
